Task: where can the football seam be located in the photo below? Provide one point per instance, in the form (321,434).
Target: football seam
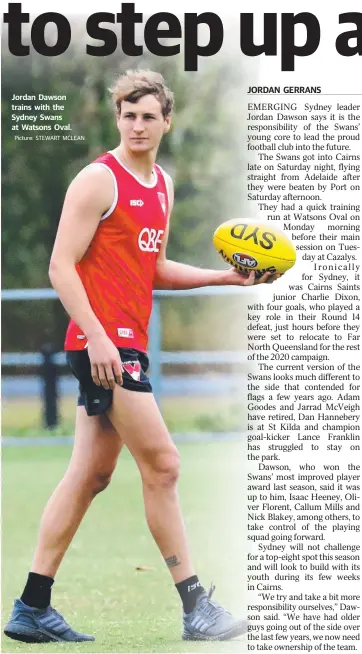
(255,252)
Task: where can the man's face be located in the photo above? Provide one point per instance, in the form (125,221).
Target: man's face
(142,124)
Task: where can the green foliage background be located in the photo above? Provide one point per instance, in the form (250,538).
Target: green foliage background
(201,153)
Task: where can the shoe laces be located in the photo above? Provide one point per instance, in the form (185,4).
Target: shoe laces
(212,609)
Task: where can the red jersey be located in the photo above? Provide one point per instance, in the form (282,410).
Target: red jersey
(118,269)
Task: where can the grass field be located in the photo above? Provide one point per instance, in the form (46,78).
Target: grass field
(23,416)
(98,588)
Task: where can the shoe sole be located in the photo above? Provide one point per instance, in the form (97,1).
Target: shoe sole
(25,634)
(227,635)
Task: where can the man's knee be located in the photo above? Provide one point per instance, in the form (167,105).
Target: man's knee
(160,469)
(100,481)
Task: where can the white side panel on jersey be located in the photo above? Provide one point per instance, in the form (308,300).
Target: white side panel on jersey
(115,198)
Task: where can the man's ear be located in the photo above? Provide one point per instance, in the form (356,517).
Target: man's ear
(167,124)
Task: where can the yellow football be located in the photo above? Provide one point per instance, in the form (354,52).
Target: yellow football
(248,245)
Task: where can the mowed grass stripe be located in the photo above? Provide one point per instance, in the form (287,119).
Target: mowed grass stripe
(23,416)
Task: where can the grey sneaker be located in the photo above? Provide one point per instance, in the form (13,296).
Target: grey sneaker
(32,625)
(209,621)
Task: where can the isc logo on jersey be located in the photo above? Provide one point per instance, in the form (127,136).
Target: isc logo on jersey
(150,240)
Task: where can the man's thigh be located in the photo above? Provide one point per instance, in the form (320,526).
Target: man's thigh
(97,443)
(138,420)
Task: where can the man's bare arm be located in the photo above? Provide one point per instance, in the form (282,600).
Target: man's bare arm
(89,196)
(85,202)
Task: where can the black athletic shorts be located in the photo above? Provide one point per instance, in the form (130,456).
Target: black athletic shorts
(97,399)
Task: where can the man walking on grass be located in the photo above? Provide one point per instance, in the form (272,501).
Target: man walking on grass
(109,255)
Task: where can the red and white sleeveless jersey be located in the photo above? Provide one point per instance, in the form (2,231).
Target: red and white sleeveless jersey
(118,269)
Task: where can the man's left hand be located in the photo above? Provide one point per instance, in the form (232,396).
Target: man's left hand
(233,278)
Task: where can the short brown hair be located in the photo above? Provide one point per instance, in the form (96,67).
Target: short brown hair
(134,84)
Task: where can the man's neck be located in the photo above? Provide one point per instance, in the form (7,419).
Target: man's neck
(141,165)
